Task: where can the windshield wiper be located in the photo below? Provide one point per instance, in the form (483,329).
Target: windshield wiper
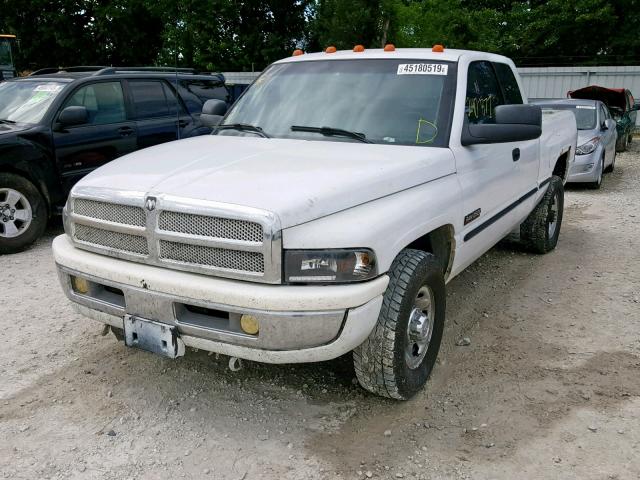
(3,120)
(243,127)
(331,132)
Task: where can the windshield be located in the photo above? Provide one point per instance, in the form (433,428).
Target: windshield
(585,114)
(5,52)
(27,101)
(402,102)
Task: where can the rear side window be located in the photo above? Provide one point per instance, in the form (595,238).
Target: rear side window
(483,93)
(104,102)
(509,83)
(152,98)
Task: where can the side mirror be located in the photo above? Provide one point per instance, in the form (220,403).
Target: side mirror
(514,123)
(72,116)
(212,112)
(604,126)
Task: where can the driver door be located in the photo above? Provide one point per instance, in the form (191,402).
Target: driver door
(107,135)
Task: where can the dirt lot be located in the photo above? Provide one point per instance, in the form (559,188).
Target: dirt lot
(548,388)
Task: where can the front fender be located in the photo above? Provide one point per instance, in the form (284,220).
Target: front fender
(386,225)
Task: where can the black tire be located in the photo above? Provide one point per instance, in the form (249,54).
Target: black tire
(38,217)
(621,143)
(598,183)
(630,139)
(118,333)
(611,167)
(380,362)
(535,231)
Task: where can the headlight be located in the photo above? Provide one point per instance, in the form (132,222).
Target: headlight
(588,147)
(329,266)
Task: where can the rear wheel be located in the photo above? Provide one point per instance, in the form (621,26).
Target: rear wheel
(397,358)
(598,183)
(612,167)
(23,213)
(540,231)
(621,143)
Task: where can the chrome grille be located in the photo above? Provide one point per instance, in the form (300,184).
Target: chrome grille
(212,256)
(122,242)
(110,212)
(203,237)
(213,227)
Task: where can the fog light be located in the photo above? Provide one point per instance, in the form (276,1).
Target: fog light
(80,285)
(249,324)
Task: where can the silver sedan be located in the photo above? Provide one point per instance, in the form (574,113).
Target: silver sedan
(596,152)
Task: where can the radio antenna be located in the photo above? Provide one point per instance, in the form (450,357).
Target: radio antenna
(176,85)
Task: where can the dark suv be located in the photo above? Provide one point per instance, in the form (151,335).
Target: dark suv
(57,126)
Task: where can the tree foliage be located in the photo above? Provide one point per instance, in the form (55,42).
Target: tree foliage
(249,34)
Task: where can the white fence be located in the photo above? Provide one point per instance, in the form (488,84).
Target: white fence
(555,82)
(544,82)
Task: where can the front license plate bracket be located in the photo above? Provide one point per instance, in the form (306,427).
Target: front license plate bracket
(152,336)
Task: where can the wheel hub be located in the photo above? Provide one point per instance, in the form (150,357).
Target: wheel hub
(420,327)
(15,213)
(552,220)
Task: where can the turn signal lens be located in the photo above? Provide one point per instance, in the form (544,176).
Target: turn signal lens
(389,47)
(249,324)
(80,285)
(437,48)
(358,48)
(297,52)
(331,49)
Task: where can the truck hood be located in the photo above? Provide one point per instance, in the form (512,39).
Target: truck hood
(298,180)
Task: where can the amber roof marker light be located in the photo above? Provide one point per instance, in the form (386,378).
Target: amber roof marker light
(297,52)
(331,49)
(437,48)
(358,48)
(389,47)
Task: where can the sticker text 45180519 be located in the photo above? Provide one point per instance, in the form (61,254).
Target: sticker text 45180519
(422,69)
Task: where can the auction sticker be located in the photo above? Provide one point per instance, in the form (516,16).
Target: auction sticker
(48,87)
(422,69)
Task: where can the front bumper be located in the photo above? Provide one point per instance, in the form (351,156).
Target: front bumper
(297,323)
(585,167)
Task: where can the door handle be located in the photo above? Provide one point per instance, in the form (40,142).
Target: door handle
(125,131)
(515,154)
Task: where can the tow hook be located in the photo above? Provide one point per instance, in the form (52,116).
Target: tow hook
(235,364)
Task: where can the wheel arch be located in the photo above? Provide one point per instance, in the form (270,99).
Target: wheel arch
(561,167)
(441,243)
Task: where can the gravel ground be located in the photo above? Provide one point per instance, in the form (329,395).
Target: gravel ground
(549,386)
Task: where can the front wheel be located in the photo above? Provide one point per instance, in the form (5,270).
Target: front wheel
(397,358)
(23,213)
(598,183)
(540,231)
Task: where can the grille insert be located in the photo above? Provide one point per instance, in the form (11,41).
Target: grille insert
(110,212)
(213,227)
(212,256)
(123,242)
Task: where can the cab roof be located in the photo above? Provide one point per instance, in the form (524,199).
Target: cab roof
(448,55)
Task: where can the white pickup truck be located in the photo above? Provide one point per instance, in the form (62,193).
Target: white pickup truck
(325,214)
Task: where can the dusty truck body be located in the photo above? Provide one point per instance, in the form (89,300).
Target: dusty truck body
(324,216)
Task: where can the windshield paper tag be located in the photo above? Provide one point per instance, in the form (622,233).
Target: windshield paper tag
(586,107)
(48,87)
(422,69)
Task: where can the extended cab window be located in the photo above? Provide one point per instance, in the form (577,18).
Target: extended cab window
(104,102)
(152,98)
(509,83)
(483,93)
